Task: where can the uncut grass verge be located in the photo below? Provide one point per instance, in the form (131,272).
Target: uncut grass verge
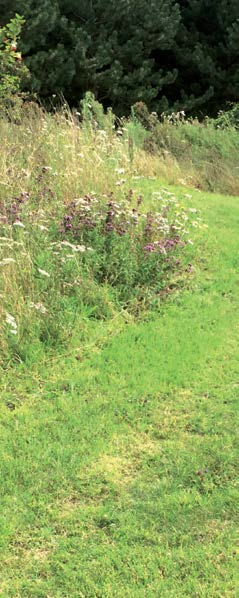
(118,465)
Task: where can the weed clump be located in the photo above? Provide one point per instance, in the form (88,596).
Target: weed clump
(86,258)
(121,245)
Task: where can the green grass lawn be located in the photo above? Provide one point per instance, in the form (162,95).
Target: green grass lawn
(118,458)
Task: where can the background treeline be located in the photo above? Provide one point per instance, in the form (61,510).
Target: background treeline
(171,55)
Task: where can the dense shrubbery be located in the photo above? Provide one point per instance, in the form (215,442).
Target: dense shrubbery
(228,119)
(171,55)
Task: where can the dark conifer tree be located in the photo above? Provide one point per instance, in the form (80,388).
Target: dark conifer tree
(169,54)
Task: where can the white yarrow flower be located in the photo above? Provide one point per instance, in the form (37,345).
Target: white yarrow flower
(67,244)
(39,307)
(7,260)
(10,320)
(43,272)
(121,182)
(120,170)
(19,223)
(42,227)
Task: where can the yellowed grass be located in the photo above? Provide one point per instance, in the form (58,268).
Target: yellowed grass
(79,161)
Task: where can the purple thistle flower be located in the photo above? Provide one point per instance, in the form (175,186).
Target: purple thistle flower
(149,248)
(139,200)
(109,227)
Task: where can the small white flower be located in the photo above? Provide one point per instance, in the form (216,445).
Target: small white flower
(42,227)
(79,200)
(39,307)
(18,223)
(168,193)
(120,170)
(67,244)
(75,248)
(7,260)
(43,272)
(121,182)
(10,320)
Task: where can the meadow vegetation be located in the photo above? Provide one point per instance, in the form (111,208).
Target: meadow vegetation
(78,239)
(118,341)
(202,154)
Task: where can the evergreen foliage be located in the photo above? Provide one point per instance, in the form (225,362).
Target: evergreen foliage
(171,55)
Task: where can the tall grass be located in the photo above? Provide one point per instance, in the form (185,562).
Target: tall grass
(206,157)
(197,154)
(77,241)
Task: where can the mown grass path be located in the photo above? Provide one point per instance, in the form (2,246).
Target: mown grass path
(118,468)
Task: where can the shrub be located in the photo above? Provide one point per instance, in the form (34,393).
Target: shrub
(93,116)
(12,71)
(147,119)
(229,118)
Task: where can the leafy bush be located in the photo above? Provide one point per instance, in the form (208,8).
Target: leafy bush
(12,71)
(147,119)
(93,116)
(229,118)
